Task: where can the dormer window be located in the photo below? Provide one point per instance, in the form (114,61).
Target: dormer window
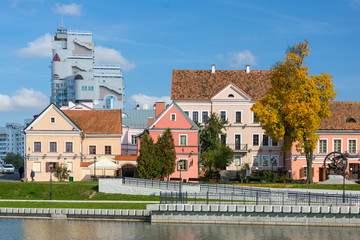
(52,120)
(350,120)
(173,117)
(231,95)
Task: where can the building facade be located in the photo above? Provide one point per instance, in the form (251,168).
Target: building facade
(230,94)
(340,133)
(76,139)
(75,77)
(11,139)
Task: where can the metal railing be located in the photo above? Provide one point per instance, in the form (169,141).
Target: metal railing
(151,183)
(260,198)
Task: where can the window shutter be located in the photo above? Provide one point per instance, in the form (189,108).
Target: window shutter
(186,165)
(302,172)
(47,167)
(313,172)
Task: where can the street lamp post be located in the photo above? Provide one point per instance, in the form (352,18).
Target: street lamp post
(344,167)
(95,168)
(51,167)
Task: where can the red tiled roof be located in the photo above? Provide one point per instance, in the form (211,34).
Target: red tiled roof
(56,58)
(341,112)
(122,157)
(85,164)
(97,121)
(203,85)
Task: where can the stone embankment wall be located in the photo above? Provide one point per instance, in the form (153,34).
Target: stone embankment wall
(260,215)
(104,214)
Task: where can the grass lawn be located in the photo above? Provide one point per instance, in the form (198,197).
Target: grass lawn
(73,205)
(62,191)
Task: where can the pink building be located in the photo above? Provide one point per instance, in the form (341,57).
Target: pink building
(339,133)
(186,137)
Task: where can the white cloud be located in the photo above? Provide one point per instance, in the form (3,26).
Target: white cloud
(70,9)
(147,102)
(240,59)
(24,99)
(40,47)
(105,55)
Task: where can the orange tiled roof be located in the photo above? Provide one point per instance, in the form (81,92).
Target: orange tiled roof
(97,121)
(123,157)
(85,164)
(341,112)
(203,85)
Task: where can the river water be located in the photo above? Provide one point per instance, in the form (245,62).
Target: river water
(80,229)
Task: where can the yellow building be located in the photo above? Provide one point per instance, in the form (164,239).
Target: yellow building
(75,139)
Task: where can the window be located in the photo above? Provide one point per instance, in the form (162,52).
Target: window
(274,144)
(110,102)
(223,115)
(205,116)
(274,160)
(133,140)
(69,147)
(223,139)
(255,118)
(265,140)
(255,161)
(173,117)
(231,95)
(195,116)
(69,166)
(108,150)
(256,140)
(92,149)
(265,160)
(183,140)
(187,113)
(50,166)
(237,160)
(53,147)
(182,165)
(37,146)
(322,146)
(52,120)
(238,117)
(337,145)
(237,141)
(352,146)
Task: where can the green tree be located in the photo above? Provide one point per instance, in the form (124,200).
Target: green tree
(213,153)
(147,167)
(296,103)
(15,159)
(166,154)
(61,172)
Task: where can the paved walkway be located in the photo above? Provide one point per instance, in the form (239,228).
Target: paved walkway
(75,201)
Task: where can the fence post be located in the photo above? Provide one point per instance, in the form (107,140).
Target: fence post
(219,198)
(186,198)
(270,197)
(283,196)
(171,197)
(232,196)
(160,197)
(207,197)
(257,197)
(195,197)
(309,198)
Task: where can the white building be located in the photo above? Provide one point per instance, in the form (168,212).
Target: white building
(76,78)
(11,139)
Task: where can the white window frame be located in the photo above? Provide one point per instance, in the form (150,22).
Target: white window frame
(172,117)
(51,120)
(111,149)
(225,114)
(187,112)
(262,160)
(185,169)
(253,117)
(252,160)
(271,143)
(327,145)
(241,116)
(348,144)
(186,139)
(65,146)
(240,160)
(133,136)
(226,141)
(235,134)
(262,142)
(41,146)
(192,116)
(341,144)
(57,147)
(278,160)
(259,140)
(202,120)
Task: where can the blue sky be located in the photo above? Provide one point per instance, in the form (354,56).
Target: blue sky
(150,38)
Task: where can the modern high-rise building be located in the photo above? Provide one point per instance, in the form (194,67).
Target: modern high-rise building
(12,139)
(76,78)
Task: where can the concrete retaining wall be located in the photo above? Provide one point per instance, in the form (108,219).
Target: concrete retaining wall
(110,214)
(259,214)
(109,185)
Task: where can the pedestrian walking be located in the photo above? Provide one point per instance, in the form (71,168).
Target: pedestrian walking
(21,171)
(32,175)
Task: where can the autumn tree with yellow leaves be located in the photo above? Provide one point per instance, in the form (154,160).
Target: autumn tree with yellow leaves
(296,103)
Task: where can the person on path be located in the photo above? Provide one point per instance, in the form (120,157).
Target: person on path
(32,175)
(21,171)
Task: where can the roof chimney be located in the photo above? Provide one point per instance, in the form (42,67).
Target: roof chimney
(248,68)
(213,68)
(159,108)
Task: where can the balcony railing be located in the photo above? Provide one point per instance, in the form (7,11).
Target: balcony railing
(238,147)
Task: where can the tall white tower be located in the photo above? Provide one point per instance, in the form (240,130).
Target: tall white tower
(76,78)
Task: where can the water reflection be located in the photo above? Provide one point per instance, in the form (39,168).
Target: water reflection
(71,229)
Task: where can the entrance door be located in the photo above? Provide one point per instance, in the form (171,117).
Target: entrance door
(128,170)
(322,174)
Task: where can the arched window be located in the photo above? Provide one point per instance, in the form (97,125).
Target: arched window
(110,102)
(231,95)
(55,77)
(78,77)
(350,120)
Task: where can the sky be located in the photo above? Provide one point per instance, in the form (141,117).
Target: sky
(150,38)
